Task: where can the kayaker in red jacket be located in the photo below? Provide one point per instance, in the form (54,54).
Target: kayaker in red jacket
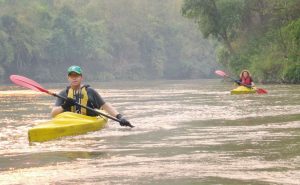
(84,95)
(245,79)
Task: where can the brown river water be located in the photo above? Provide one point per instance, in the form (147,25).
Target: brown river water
(186,132)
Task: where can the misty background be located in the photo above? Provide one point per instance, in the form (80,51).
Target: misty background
(110,40)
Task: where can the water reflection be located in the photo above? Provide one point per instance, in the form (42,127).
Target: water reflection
(40,159)
(187,132)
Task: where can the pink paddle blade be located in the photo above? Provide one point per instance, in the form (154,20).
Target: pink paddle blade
(221,73)
(261,91)
(28,83)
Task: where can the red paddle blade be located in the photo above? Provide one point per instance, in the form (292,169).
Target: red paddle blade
(221,73)
(261,91)
(28,83)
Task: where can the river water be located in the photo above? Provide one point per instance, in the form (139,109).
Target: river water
(186,132)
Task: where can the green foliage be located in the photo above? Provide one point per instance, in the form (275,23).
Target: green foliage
(260,35)
(292,73)
(267,69)
(218,18)
(111,40)
(277,56)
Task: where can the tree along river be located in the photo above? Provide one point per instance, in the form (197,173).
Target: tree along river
(186,132)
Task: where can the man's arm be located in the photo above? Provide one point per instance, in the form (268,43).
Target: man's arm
(110,109)
(64,107)
(100,103)
(56,110)
(113,112)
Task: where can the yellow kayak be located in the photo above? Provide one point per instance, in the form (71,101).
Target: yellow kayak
(65,124)
(243,90)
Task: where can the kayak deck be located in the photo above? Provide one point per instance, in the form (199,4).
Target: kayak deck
(65,124)
(243,90)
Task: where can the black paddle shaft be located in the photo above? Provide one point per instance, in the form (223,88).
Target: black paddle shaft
(249,86)
(93,110)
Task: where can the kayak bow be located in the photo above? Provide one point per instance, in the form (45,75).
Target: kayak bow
(243,90)
(65,124)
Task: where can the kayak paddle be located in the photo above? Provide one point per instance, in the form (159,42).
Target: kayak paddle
(28,83)
(223,74)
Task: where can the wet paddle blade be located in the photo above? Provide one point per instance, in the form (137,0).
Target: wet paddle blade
(28,83)
(221,73)
(261,91)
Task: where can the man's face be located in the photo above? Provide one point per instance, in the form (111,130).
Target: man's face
(74,79)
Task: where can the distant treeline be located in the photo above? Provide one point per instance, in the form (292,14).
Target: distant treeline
(110,39)
(260,35)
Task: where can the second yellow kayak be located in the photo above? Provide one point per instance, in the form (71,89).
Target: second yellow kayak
(65,124)
(243,90)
